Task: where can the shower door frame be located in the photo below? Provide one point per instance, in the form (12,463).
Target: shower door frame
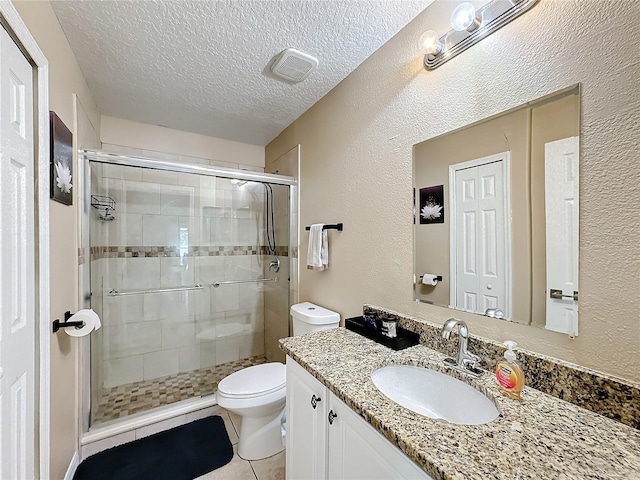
(86,156)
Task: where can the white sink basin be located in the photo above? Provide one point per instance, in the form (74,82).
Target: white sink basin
(434,394)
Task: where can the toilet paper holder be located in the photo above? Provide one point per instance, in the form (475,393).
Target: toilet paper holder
(57,324)
(439,277)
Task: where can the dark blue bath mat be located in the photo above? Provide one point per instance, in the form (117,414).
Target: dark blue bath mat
(182,453)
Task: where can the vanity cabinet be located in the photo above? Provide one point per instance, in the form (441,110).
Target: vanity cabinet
(328,440)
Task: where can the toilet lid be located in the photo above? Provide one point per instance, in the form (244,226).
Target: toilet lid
(254,381)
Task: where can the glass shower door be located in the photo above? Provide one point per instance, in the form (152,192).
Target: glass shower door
(180,277)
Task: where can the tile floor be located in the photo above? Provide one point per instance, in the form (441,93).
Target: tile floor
(271,468)
(138,397)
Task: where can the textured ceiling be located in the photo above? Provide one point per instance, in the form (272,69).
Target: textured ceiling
(203,66)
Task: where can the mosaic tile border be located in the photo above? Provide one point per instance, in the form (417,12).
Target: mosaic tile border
(603,394)
(193,251)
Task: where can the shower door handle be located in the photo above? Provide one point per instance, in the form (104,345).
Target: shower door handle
(315,400)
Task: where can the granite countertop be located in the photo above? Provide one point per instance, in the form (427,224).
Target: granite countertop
(539,437)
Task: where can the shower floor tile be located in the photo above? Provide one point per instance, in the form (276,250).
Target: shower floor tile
(138,397)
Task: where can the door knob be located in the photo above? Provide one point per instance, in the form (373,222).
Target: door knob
(315,400)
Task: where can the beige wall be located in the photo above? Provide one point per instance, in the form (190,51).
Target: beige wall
(65,79)
(154,141)
(356,167)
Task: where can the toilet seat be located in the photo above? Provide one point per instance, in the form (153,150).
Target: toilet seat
(256,381)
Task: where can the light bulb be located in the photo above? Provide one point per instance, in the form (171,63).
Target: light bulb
(430,43)
(464,17)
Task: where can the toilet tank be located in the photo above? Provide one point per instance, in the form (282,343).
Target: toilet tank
(308,318)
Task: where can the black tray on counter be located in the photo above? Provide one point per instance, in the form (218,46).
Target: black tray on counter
(405,338)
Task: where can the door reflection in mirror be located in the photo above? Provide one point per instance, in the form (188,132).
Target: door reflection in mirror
(510,232)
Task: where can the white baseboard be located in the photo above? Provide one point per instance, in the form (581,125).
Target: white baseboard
(75,461)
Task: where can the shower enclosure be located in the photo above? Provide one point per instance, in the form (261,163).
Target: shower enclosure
(190,275)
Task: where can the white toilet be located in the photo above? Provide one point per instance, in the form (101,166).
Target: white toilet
(258,393)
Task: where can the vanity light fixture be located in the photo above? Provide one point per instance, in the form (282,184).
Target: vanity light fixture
(469,26)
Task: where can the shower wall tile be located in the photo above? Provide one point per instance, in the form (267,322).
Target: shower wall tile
(159,177)
(159,364)
(118,371)
(225,298)
(112,273)
(190,231)
(178,334)
(170,305)
(244,321)
(207,354)
(210,269)
(251,297)
(224,183)
(237,267)
(97,229)
(126,229)
(139,273)
(125,309)
(205,230)
(140,197)
(177,271)
(251,345)
(115,188)
(209,328)
(132,339)
(189,358)
(227,350)
(160,230)
(214,203)
(222,231)
(176,200)
(246,232)
(241,202)
(191,180)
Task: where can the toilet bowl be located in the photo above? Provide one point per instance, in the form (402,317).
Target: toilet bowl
(258,393)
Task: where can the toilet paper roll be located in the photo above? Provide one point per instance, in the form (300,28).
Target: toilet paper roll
(428,279)
(91,322)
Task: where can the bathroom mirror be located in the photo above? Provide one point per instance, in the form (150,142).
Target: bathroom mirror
(496,215)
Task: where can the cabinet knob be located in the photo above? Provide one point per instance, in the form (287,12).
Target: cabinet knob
(332,416)
(315,400)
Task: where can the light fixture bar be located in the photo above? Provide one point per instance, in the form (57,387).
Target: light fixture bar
(493,15)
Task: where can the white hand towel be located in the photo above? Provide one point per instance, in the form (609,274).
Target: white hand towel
(318,253)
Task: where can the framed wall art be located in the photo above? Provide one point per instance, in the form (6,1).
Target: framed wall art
(432,204)
(61,160)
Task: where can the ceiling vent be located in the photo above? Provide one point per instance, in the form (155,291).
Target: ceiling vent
(293,65)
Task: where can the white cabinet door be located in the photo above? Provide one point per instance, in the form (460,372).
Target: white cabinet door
(358,451)
(307,404)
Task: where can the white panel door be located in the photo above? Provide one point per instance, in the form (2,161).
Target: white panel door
(480,249)
(561,211)
(307,406)
(17,279)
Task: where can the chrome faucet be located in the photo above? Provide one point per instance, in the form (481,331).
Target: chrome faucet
(465,361)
